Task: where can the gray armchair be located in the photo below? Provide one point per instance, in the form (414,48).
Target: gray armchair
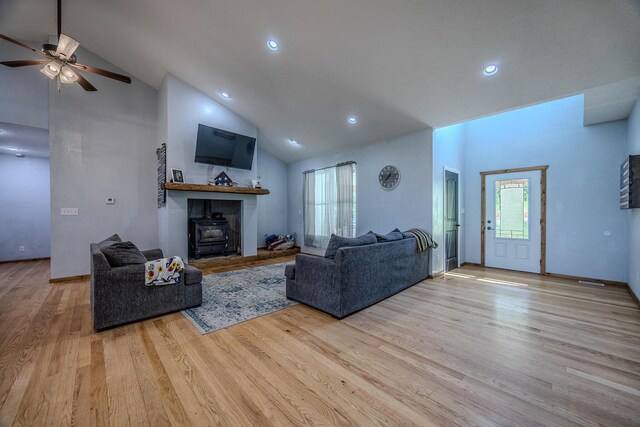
(119,295)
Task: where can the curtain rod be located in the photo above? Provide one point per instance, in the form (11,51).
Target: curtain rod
(351,162)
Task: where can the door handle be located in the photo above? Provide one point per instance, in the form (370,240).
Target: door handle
(457,225)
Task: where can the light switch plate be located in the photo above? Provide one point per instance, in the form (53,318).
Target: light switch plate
(68,211)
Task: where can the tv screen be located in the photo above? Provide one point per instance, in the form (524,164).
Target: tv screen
(224,148)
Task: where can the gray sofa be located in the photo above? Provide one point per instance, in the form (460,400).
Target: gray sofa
(357,277)
(119,295)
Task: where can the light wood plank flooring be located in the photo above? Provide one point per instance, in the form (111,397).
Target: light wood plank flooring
(470,348)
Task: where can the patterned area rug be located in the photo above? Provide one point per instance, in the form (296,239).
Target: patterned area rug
(235,296)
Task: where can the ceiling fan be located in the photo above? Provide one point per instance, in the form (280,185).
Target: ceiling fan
(60,63)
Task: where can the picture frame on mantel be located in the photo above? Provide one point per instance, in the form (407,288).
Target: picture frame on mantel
(177,175)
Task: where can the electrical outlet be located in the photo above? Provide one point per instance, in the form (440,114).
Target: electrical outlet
(69,211)
(21,248)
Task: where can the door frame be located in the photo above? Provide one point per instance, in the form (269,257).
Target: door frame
(444,213)
(543,209)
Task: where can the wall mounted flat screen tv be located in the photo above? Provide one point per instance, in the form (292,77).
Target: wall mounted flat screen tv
(224,148)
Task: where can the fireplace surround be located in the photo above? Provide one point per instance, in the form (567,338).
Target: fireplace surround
(173,219)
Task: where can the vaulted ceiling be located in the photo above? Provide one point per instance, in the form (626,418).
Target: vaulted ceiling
(398,65)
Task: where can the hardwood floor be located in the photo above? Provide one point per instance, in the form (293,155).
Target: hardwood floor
(469,348)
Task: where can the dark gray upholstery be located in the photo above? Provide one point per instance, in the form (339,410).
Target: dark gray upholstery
(109,241)
(119,295)
(358,276)
(337,242)
(123,253)
(392,236)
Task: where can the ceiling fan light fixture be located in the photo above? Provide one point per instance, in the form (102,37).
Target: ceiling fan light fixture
(67,75)
(51,69)
(66,80)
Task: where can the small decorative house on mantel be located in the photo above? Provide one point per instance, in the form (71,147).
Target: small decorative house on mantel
(222,179)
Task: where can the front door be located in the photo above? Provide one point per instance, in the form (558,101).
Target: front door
(451,220)
(512,229)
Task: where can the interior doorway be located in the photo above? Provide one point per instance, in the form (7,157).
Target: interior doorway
(513,219)
(451,220)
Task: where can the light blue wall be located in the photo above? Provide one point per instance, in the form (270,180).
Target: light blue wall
(24,207)
(25,203)
(409,205)
(448,152)
(586,230)
(272,209)
(24,94)
(633,215)
(102,145)
(186,108)
(181,108)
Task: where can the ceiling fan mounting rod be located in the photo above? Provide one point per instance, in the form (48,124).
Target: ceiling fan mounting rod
(59,18)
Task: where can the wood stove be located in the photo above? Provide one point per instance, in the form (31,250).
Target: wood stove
(208,236)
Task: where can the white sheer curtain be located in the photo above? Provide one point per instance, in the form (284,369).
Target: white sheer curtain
(329,201)
(345,200)
(309,208)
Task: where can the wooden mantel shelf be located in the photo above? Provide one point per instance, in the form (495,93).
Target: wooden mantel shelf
(178,186)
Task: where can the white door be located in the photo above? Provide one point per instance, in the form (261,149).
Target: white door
(512,228)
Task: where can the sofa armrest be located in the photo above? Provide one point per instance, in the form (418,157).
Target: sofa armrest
(290,272)
(316,283)
(152,254)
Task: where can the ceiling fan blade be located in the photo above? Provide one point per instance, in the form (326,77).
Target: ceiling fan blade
(9,39)
(102,72)
(66,46)
(24,63)
(85,84)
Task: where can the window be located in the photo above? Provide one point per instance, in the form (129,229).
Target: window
(512,209)
(329,203)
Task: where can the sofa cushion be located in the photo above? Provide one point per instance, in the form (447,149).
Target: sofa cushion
(337,242)
(109,241)
(390,237)
(192,276)
(123,253)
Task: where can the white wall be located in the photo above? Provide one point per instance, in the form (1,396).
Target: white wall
(24,207)
(586,231)
(407,206)
(448,152)
(102,144)
(23,91)
(633,215)
(272,209)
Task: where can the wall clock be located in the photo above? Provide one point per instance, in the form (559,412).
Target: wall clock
(389,177)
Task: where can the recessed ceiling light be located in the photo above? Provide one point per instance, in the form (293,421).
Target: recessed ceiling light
(225,94)
(490,70)
(19,155)
(352,120)
(273,45)
(294,141)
